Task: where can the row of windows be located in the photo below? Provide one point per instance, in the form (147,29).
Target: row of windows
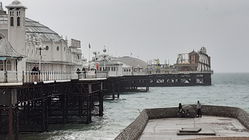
(18,21)
(57,48)
(127,70)
(3,65)
(30,51)
(108,69)
(18,13)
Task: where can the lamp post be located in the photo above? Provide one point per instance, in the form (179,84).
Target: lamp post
(40,48)
(104,56)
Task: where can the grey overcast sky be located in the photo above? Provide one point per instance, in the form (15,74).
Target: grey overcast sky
(152,29)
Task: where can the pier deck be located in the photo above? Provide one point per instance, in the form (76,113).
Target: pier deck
(166,129)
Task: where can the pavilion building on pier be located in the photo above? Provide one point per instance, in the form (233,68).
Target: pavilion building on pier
(39,46)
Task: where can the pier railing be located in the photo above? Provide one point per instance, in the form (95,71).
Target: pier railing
(8,76)
(36,76)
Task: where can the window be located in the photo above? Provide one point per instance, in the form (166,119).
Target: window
(11,21)
(58,48)
(11,13)
(1,65)
(18,21)
(8,65)
(47,47)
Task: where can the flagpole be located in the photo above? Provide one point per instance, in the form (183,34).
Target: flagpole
(89,55)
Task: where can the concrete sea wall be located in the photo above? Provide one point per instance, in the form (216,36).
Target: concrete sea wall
(135,129)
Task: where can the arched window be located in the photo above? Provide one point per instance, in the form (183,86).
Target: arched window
(18,21)
(58,48)
(11,21)
(47,47)
(8,65)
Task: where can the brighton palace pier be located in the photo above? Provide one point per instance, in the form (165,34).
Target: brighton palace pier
(43,80)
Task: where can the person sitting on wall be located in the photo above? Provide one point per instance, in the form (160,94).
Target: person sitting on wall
(181,112)
(187,114)
(198,106)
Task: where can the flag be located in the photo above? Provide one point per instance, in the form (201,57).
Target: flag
(89,46)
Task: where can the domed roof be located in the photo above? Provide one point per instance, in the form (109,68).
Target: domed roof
(16,4)
(134,62)
(203,50)
(37,30)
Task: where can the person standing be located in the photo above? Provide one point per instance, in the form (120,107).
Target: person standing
(181,112)
(180,107)
(198,106)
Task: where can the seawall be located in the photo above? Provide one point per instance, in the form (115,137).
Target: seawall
(135,129)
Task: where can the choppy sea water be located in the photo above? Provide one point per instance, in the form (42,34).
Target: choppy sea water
(226,90)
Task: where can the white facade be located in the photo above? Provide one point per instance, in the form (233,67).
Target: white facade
(204,60)
(40,46)
(118,66)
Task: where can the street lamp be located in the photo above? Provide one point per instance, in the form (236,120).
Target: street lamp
(40,48)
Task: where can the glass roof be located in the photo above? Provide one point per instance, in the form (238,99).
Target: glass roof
(35,29)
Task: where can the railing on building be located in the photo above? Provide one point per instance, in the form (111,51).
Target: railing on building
(35,76)
(8,76)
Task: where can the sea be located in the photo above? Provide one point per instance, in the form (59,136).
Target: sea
(227,89)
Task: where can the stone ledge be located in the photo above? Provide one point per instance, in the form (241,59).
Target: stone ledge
(136,128)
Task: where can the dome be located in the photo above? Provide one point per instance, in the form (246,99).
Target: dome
(134,62)
(36,30)
(203,50)
(16,4)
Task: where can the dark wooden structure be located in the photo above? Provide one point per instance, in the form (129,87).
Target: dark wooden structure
(141,83)
(32,107)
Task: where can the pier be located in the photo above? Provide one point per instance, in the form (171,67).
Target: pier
(141,83)
(34,106)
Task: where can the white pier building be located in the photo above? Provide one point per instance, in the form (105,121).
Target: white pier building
(37,45)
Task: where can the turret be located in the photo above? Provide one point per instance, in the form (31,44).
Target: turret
(16,26)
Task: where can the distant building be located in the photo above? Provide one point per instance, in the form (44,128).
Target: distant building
(39,45)
(118,66)
(194,61)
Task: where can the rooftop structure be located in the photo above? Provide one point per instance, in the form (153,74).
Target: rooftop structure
(194,61)
(6,50)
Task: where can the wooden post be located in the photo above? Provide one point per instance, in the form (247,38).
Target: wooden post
(101,108)
(89,102)
(44,114)
(11,135)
